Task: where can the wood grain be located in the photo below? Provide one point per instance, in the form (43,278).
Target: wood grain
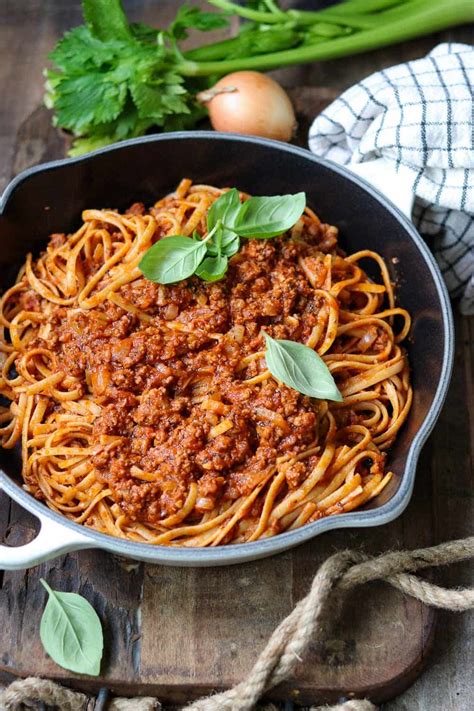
(447,682)
(179,633)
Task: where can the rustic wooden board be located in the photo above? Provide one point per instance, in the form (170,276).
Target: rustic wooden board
(181,633)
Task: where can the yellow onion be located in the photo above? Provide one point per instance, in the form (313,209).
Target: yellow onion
(250,103)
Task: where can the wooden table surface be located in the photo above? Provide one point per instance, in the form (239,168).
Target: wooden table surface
(443,504)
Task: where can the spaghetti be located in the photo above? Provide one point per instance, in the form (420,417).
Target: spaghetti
(147,412)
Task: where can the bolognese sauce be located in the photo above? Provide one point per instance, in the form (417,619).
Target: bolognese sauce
(146,410)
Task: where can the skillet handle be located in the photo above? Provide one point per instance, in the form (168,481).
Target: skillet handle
(386,180)
(52,540)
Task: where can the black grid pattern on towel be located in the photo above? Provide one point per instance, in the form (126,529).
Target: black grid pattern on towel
(419,116)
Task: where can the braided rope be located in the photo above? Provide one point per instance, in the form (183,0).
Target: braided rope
(289,641)
(20,692)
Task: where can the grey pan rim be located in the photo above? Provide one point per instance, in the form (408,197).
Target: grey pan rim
(239,553)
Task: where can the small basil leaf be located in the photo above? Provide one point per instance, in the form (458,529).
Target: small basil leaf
(212,268)
(71,632)
(172,259)
(264,217)
(229,244)
(301,368)
(226,208)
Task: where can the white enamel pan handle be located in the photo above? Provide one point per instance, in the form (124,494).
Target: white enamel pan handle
(383,176)
(53,540)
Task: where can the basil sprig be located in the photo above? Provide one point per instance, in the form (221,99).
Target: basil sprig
(178,257)
(301,368)
(71,632)
(212,268)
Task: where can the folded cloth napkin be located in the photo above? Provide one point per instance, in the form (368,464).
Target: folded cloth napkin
(419,117)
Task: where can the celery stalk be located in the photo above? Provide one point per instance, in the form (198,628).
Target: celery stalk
(421,17)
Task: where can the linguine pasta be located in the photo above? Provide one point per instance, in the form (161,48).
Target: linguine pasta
(147,411)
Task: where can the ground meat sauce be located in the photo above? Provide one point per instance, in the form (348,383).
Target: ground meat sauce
(147,411)
(143,375)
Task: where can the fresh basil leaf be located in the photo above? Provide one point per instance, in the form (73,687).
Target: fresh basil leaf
(226,209)
(71,632)
(301,368)
(172,259)
(230,243)
(264,217)
(226,242)
(212,268)
(216,242)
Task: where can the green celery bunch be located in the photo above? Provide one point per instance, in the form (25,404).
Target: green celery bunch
(114,80)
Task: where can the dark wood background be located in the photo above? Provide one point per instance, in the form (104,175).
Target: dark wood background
(215,621)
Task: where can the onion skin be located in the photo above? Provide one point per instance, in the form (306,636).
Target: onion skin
(251,103)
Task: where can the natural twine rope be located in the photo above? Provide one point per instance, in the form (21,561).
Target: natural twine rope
(289,641)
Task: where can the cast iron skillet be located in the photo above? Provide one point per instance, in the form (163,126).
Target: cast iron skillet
(50,198)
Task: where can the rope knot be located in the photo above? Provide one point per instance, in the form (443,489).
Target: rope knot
(290,640)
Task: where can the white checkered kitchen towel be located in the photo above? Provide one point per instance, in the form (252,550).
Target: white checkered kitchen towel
(418,116)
